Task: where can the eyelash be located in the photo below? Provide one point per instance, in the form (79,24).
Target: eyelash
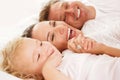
(39,53)
(54,23)
(52,37)
(41,44)
(38,57)
(64,18)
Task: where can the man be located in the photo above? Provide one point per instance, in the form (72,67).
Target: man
(74,13)
(92,13)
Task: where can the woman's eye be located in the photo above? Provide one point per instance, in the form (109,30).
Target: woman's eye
(52,38)
(38,57)
(54,24)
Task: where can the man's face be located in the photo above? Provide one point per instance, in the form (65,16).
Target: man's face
(56,32)
(74,13)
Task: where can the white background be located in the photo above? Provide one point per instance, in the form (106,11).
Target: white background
(14,13)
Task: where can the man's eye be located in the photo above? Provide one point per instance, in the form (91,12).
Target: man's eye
(66,5)
(38,57)
(64,18)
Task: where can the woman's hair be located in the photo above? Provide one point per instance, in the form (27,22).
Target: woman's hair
(9,60)
(28,31)
(44,13)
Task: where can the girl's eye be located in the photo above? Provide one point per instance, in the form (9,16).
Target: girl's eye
(38,57)
(41,44)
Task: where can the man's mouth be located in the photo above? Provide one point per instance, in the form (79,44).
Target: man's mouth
(78,13)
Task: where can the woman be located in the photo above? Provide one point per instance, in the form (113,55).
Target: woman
(64,36)
(30,58)
(56,32)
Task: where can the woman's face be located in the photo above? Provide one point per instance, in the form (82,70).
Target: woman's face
(32,55)
(56,32)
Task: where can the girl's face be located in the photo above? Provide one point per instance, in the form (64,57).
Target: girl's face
(32,55)
(56,32)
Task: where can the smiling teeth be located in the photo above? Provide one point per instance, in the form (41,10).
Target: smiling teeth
(68,33)
(78,13)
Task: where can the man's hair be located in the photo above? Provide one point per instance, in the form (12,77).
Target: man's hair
(10,53)
(28,31)
(44,13)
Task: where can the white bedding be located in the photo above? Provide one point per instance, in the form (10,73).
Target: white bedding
(6,76)
(9,32)
(90,67)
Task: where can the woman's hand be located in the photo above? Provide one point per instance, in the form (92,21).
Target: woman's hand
(82,44)
(79,43)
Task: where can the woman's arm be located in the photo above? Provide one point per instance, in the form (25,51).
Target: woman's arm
(49,69)
(91,46)
(110,51)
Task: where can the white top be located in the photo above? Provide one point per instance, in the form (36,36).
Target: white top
(90,67)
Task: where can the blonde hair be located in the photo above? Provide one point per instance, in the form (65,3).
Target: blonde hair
(9,53)
(43,16)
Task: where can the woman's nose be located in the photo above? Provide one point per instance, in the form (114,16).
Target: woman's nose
(59,30)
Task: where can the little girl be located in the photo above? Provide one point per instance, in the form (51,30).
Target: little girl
(30,58)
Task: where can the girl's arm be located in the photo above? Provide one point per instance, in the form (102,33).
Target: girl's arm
(49,69)
(53,74)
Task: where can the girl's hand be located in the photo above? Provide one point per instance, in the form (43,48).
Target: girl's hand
(52,62)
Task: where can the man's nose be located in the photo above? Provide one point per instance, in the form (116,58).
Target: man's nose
(72,11)
(69,11)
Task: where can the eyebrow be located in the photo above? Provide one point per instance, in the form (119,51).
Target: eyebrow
(62,6)
(48,32)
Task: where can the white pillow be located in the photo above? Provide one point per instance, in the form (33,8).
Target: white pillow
(14,32)
(6,76)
